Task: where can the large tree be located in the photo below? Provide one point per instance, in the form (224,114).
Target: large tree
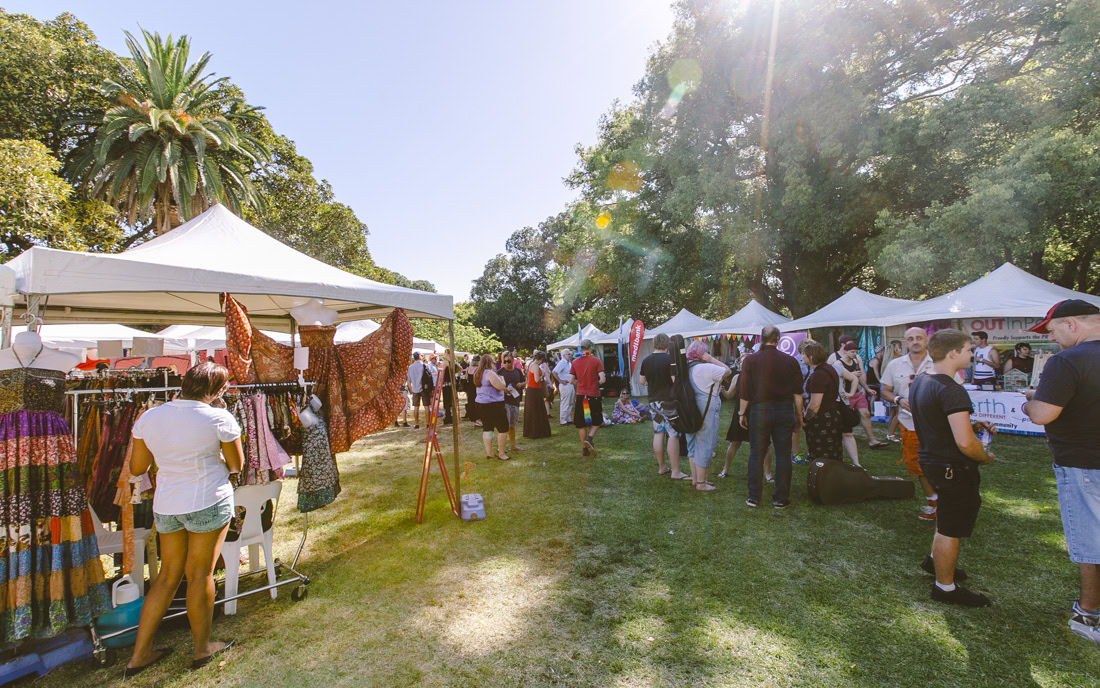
(172,145)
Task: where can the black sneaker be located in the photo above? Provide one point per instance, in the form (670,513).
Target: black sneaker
(416,427)
(751,503)
(584,451)
(929,567)
(960,596)
(781,505)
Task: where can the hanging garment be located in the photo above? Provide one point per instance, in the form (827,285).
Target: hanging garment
(319,482)
(50,574)
(358,383)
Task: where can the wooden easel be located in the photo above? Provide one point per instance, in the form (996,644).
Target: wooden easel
(431,450)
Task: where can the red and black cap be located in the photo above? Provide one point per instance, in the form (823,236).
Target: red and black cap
(1064,309)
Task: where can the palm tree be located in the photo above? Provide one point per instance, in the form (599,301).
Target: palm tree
(174,144)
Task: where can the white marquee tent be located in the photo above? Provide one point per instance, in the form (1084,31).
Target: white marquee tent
(1007,292)
(89,336)
(177,278)
(682,323)
(752,318)
(857,307)
(203,338)
(589,331)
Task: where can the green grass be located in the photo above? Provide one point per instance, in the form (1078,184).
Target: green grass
(596,572)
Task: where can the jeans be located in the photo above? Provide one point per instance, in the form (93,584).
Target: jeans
(771,421)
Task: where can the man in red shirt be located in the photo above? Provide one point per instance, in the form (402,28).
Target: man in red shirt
(587,370)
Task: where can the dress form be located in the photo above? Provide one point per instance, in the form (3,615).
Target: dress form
(28,351)
(313,312)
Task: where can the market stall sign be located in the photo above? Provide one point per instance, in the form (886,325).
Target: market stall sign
(1005,329)
(1004,410)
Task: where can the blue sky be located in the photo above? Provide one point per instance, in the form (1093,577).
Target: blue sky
(445,125)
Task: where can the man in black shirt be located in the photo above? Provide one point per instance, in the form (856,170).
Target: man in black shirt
(516,380)
(655,374)
(949,453)
(771,410)
(1068,404)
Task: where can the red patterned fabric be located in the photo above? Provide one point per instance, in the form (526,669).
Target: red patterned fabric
(359,383)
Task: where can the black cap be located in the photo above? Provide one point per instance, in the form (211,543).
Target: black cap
(1065,309)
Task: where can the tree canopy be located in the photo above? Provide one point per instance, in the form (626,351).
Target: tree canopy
(791,151)
(171,139)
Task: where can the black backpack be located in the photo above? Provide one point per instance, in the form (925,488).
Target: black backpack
(682,412)
(427,383)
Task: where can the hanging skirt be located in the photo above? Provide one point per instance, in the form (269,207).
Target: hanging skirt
(50,574)
(536,424)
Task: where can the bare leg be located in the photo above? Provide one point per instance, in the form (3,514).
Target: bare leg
(592,431)
(926,486)
(502,438)
(731,451)
(512,437)
(416,414)
(1090,586)
(487,440)
(865,421)
(674,457)
(892,427)
(202,553)
(768,463)
(583,432)
(173,558)
(796,443)
(659,452)
(945,554)
(849,442)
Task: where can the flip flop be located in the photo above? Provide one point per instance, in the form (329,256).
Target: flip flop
(505,458)
(127,672)
(517,448)
(667,470)
(707,487)
(200,663)
(880,445)
(685,476)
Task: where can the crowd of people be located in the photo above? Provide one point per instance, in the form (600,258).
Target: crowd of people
(825,395)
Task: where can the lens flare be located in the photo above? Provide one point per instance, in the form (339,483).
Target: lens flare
(603,220)
(624,176)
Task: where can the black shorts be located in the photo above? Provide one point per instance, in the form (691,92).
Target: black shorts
(595,406)
(959,501)
(492,416)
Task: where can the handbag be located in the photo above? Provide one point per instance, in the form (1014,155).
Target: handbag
(849,417)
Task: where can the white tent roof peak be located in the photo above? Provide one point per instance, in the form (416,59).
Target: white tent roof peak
(1007,292)
(750,319)
(589,331)
(177,277)
(856,307)
(682,323)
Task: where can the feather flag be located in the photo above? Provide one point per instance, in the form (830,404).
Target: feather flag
(580,338)
(622,366)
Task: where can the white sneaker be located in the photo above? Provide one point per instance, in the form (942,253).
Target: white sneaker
(1085,626)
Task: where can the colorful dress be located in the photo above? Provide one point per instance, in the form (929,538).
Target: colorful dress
(50,574)
(319,482)
(359,383)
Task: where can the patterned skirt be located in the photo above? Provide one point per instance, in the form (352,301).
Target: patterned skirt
(50,574)
(823,435)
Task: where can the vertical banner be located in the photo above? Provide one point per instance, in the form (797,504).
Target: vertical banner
(637,331)
(580,338)
(622,367)
(789,341)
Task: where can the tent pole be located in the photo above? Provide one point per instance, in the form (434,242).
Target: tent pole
(455,416)
(5,327)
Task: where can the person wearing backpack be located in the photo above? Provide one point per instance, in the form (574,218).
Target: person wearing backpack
(415,381)
(771,410)
(705,372)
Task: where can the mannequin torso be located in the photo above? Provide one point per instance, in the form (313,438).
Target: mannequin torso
(313,312)
(28,351)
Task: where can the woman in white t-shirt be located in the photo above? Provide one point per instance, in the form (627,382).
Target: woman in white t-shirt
(706,373)
(195,447)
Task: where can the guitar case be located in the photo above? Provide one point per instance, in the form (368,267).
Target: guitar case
(836,482)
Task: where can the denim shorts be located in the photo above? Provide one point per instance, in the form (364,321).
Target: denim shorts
(661,426)
(214,517)
(1079,497)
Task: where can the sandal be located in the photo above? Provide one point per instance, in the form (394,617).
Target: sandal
(127,672)
(667,470)
(517,448)
(880,445)
(200,663)
(722,474)
(706,487)
(683,476)
(504,457)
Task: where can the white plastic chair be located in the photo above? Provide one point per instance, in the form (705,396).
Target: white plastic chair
(110,542)
(252,498)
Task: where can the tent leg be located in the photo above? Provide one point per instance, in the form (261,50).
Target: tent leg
(454,409)
(5,327)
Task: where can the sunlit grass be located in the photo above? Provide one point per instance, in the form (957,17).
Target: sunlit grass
(600,573)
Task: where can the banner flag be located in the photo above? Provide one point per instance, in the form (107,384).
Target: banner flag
(622,366)
(637,332)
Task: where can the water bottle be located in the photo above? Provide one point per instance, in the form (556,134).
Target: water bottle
(985,437)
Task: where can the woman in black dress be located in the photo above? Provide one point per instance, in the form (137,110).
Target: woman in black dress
(822,417)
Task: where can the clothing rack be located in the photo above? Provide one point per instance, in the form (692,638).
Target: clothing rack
(298,579)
